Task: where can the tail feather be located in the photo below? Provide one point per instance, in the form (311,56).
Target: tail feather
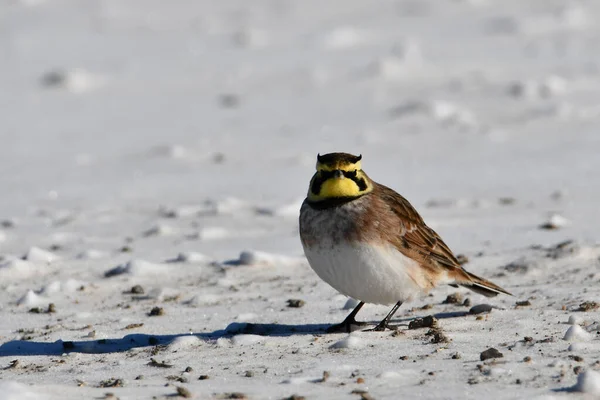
(481,286)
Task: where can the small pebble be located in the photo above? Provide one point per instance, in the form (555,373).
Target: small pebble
(427,322)
(235,395)
(159,364)
(524,303)
(437,336)
(134,326)
(490,353)
(454,298)
(480,309)
(295,303)
(137,289)
(183,392)
(588,306)
(556,221)
(156,311)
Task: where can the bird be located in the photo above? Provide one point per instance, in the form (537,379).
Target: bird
(369,243)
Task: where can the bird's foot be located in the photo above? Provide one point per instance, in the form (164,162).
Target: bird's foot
(382,326)
(346,327)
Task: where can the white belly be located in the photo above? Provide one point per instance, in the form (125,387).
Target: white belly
(373,274)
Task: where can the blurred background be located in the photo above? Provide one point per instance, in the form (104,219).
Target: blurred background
(452,103)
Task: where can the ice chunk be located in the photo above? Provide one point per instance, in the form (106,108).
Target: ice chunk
(35,254)
(246,339)
(186,343)
(31,299)
(575,333)
(137,268)
(349,342)
(588,382)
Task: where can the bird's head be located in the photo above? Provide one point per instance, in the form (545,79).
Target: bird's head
(338,176)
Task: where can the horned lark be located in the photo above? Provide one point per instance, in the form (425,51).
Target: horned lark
(369,243)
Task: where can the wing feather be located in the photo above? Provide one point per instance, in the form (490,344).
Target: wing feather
(415,236)
(416,240)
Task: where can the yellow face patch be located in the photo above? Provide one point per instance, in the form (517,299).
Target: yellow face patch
(326,185)
(339,187)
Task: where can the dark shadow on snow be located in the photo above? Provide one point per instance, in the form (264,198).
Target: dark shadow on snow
(568,389)
(31,348)
(451,314)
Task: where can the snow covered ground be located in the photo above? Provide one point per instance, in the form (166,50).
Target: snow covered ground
(154,156)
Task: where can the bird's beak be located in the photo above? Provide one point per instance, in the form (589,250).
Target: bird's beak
(338,174)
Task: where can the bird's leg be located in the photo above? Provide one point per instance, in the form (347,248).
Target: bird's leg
(384,324)
(346,325)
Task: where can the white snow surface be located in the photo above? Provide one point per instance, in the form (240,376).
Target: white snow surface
(153,155)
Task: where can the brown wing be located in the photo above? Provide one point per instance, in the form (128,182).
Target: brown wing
(421,243)
(416,239)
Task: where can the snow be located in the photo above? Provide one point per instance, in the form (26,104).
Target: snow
(155,155)
(191,257)
(576,333)
(30,299)
(247,340)
(185,343)
(11,390)
(15,269)
(575,320)
(588,382)
(138,268)
(37,255)
(349,342)
(252,257)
